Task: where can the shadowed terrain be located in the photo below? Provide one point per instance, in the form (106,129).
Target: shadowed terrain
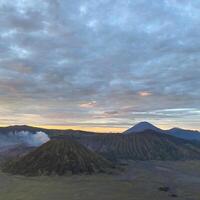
(14,152)
(141,180)
(58,157)
(147,145)
(68,154)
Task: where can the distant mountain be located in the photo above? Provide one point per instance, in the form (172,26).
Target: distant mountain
(185,134)
(177,132)
(58,157)
(31,129)
(142,126)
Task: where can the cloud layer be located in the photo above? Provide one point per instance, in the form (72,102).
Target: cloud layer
(105,63)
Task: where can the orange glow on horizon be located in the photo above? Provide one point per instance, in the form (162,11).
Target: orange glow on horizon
(81,128)
(90,129)
(94,128)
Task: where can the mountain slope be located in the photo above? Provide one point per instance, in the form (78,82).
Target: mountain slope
(58,157)
(13,152)
(185,134)
(147,145)
(142,126)
(177,132)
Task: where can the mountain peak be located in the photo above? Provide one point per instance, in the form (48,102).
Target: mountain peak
(63,156)
(142,126)
(144,123)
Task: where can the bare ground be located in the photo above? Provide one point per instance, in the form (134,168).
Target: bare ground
(139,181)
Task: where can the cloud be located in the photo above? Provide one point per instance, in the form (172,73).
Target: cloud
(55,55)
(144,93)
(91,104)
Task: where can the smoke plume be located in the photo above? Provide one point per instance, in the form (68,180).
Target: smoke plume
(26,138)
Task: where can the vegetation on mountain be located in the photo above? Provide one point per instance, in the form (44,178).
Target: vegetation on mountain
(58,157)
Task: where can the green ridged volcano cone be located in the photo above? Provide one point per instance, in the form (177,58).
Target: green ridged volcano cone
(58,157)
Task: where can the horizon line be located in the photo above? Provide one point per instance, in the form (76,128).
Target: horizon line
(97,129)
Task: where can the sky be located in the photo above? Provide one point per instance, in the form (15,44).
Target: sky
(100,65)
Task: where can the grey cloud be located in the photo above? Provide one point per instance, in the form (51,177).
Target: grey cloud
(62,53)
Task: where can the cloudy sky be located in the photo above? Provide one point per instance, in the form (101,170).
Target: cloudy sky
(100,65)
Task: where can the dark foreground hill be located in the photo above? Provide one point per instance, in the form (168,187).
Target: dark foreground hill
(58,157)
(147,145)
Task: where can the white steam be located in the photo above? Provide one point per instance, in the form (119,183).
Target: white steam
(32,139)
(10,140)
